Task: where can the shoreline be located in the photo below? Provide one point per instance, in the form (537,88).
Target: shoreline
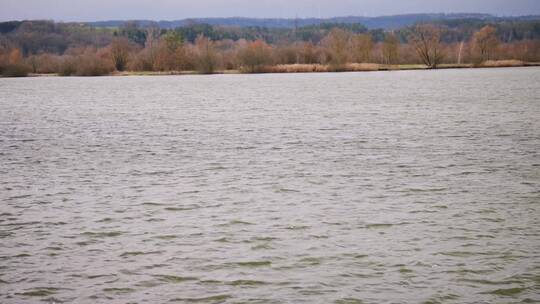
(316,68)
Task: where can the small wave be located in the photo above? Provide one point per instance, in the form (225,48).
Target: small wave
(136,253)
(102,234)
(264,238)
(40,292)
(378,226)
(166,237)
(174,279)
(405,270)
(261,247)
(236,222)
(19,197)
(99,276)
(183,208)
(507,292)
(488,282)
(348,301)
(211,299)
(463,254)
(105,220)
(294,227)
(119,290)
(311,261)
(254,264)
(246,283)
(286,190)
(153,204)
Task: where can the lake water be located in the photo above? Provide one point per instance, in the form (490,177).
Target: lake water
(383,187)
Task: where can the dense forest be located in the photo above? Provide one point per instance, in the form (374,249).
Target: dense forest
(43,47)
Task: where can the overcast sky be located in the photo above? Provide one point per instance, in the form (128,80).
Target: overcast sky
(89,10)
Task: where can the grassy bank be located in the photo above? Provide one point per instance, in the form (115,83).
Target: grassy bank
(319,68)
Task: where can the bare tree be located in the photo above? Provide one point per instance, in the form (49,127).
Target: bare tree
(170,55)
(362,46)
(391,49)
(486,42)
(120,50)
(255,55)
(336,45)
(151,46)
(207,57)
(308,53)
(426,40)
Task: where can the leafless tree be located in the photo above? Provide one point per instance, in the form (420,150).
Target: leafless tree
(255,56)
(361,47)
(426,40)
(486,42)
(120,49)
(207,57)
(336,44)
(391,49)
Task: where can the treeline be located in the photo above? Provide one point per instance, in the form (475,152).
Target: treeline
(35,37)
(75,49)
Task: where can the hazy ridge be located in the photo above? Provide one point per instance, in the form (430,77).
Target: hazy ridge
(384,22)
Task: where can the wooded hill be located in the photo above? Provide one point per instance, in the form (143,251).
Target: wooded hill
(382,22)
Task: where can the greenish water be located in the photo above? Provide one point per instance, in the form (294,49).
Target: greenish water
(393,187)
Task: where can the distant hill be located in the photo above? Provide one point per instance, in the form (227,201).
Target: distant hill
(384,22)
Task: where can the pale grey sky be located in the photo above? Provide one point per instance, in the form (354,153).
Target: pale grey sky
(91,10)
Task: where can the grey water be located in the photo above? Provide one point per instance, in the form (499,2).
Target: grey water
(383,187)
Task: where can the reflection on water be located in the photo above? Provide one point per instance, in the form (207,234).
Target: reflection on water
(398,187)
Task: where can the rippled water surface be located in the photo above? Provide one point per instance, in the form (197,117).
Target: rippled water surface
(391,187)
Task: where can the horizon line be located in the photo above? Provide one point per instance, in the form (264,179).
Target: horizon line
(274,18)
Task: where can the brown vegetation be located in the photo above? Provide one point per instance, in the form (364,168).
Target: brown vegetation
(12,64)
(426,40)
(502,63)
(361,48)
(390,49)
(205,55)
(338,50)
(120,49)
(485,43)
(254,56)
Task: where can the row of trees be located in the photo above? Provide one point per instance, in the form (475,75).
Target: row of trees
(169,51)
(46,36)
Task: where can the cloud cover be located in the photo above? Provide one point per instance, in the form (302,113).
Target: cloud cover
(92,10)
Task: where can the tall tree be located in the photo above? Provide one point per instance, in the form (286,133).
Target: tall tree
(361,47)
(336,44)
(426,40)
(120,49)
(255,55)
(390,49)
(485,42)
(207,57)
(170,55)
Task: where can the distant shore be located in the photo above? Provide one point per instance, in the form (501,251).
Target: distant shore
(318,68)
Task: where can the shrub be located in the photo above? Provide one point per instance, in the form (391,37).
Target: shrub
(67,66)
(90,64)
(15,70)
(296,68)
(207,57)
(255,56)
(502,63)
(120,50)
(361,67)
(12,64)
(48,64)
